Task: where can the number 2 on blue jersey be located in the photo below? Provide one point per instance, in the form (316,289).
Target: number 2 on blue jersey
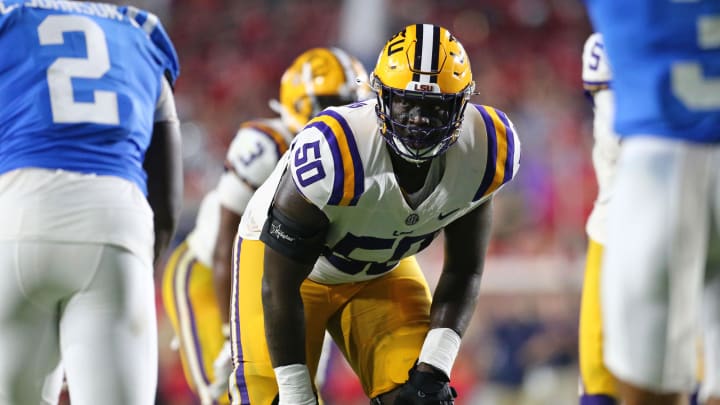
(65,110)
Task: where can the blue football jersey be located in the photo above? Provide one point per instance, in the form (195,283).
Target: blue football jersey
(79,83)
(665,58)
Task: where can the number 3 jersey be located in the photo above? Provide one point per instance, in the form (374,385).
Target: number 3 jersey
(340,163)
(70,99)
(251,157)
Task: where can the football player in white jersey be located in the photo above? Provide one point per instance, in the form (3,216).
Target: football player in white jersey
(196,285)
(597,384)
(328,241)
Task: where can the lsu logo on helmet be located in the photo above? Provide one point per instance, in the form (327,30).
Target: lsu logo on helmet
(422,62)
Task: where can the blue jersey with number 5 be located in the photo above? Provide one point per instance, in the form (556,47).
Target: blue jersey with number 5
(79,83)
(665,58)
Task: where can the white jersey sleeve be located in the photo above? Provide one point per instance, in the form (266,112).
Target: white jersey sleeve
(596,73)
(312,167)
(325,161)
(606,148)
(503,144)
(250,159)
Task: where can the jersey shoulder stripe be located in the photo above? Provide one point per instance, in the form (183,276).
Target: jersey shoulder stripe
(281,144)
(349,181)
(501,151)
(152,26)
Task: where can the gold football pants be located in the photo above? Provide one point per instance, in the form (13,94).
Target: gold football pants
(191,304)
(378,325)
(596,379)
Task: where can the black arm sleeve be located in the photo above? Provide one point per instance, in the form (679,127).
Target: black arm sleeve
(292,239)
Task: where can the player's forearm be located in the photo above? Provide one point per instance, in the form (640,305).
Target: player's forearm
(453,305)
(284,326)
(222,282)
(163,165)
(454,301)
(285,336)
(222,260)
(283,308)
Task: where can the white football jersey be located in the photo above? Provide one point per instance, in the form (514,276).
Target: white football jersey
(251,157)
(341,164)
(596,80)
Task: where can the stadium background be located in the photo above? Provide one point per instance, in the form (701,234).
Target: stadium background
(526,59)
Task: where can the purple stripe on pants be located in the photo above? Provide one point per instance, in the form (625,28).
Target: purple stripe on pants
(240,363)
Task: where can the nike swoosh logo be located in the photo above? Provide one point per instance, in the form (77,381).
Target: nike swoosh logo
(399,233)
(445,215)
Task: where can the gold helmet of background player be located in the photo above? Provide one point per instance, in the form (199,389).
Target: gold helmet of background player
(319,78)
(422,62)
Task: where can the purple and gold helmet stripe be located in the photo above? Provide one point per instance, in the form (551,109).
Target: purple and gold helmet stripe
(349,182)
(281,144)
(501,151)
(427,50)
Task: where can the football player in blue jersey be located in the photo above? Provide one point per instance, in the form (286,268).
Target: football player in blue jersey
(598,386)
(90,192)
(196,282)
(665,58)
(328,242)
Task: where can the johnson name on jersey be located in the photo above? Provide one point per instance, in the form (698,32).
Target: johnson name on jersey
(340,163)
(59,59)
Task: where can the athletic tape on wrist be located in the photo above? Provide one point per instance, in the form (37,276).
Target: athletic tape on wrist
(440,349)
(294,385)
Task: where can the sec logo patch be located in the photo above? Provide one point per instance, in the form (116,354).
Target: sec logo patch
(412,219)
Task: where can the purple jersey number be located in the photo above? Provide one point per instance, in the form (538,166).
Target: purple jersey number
(308,165)
(341,254)
(597,50)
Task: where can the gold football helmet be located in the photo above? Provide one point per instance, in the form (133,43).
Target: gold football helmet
(422,65)
(317,79)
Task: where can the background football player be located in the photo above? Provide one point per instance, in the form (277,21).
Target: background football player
(597,384)
(196,282)
(328,242)
(666,197)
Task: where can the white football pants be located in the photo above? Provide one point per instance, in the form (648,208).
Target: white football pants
(667,194)
(86,308)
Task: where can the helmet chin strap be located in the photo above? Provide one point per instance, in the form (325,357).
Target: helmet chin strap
(406,153)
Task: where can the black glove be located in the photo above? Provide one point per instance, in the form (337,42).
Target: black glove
(426,388)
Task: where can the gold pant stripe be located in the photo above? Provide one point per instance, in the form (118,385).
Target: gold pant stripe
(596,379)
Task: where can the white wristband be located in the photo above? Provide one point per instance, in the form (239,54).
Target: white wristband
(294,385)
(440,349)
